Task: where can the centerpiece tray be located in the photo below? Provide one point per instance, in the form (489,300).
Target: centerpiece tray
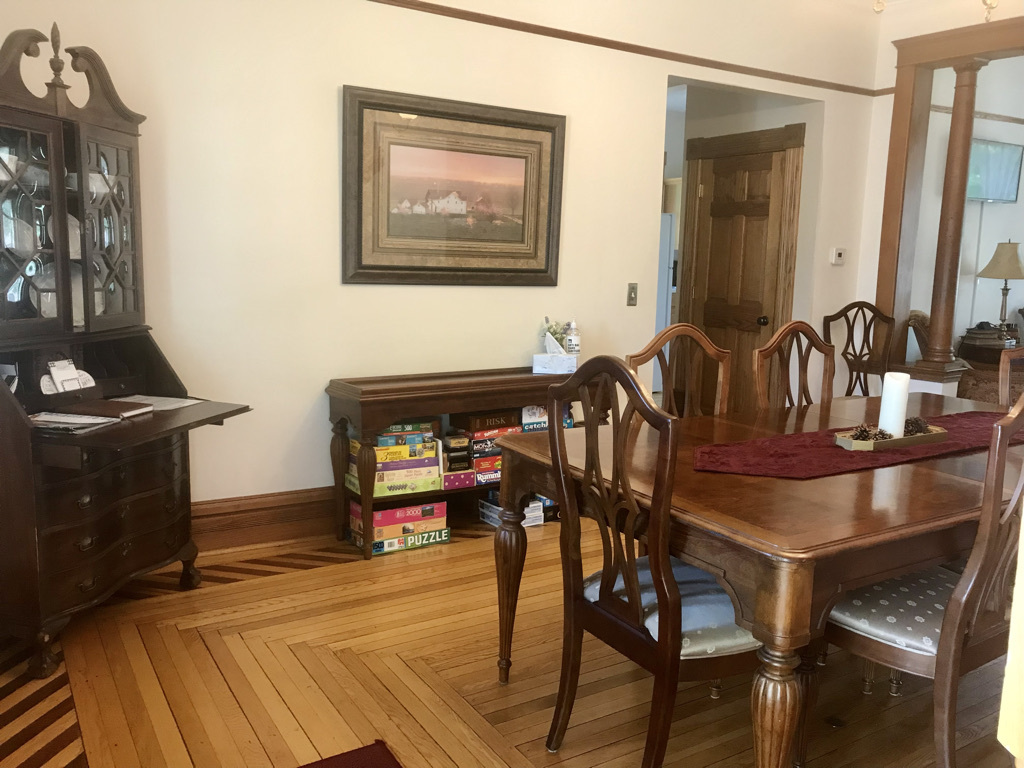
(933,435)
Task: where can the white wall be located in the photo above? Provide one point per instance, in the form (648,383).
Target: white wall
(241,185)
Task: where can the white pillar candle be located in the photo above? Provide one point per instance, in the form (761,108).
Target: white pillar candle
(893,412)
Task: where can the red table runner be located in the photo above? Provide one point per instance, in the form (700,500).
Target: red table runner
(806,455)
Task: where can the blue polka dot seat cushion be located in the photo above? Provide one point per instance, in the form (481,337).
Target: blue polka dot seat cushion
(905,611)
(709,620)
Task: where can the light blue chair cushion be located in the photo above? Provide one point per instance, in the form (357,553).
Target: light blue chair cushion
(906,611)
(709,620)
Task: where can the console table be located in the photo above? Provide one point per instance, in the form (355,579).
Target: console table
(368,405)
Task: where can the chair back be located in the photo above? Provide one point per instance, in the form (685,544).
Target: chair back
(1007,359)
(978,611)
(869,336)
(792,345)
(601,491)
(682,350)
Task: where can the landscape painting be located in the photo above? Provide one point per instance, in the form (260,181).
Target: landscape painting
(446,192)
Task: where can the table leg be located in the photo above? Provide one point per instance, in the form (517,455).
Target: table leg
(775,707)
(807,678)
(509,557)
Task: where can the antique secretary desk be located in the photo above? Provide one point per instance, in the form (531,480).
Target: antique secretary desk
(79,514)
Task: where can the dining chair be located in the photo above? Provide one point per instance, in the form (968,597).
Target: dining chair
(1007,360)
(682,351)
(792,345)
(869,336)
(671,618)
(935,623)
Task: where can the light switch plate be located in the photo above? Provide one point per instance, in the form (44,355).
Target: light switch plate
(631,295)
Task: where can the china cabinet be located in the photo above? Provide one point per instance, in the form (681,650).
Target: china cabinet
(81,514)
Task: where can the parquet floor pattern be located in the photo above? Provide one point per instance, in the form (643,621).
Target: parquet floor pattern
(315,661)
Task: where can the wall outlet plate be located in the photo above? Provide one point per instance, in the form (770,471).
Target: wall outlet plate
(838,257)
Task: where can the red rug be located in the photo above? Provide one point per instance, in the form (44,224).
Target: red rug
(376,755)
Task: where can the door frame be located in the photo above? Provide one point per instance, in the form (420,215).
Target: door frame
(788,139)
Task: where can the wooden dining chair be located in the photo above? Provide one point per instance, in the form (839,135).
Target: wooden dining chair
(682,350)
(1008,359)
(938,624)
(869,336)
(671,618)
(792,345)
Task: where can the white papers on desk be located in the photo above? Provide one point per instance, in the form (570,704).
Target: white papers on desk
(162,403)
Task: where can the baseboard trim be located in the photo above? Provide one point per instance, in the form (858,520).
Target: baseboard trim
(264,519)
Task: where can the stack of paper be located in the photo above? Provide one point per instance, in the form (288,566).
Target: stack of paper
(70,423)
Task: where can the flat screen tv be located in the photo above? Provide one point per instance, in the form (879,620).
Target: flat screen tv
(994,174)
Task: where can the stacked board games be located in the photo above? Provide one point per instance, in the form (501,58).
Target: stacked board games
(407,460)
(482,430)
(457,463)
(396,530)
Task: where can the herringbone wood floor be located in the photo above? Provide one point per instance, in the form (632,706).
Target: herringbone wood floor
(317,660)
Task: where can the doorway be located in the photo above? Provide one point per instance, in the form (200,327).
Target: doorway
(740,122)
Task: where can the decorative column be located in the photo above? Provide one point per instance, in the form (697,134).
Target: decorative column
(939,354)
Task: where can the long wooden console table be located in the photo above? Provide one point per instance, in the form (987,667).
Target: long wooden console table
(360,408)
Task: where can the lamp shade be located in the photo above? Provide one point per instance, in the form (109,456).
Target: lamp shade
(1005,263)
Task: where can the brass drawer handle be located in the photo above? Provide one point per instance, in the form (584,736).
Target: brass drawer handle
(85,500)
(126,548)
(122,513)
(87,585)
(122,473)
(84,545)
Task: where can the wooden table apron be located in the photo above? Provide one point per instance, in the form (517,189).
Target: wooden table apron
(785,550)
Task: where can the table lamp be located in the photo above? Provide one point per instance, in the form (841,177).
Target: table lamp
(1005,265)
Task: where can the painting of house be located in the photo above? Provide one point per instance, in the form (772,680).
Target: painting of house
(446,201)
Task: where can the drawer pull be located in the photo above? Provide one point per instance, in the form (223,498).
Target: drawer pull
(122,513)
(84,545)
(126,548)
(87,585)
(85,500)
(122,473)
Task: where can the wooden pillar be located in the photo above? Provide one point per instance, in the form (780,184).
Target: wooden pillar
(939,354)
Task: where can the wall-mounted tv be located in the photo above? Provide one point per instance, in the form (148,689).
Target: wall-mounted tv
(994,174)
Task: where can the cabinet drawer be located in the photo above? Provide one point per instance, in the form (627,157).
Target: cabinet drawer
(93,580)
(88,497)
(59,463)
(70,547)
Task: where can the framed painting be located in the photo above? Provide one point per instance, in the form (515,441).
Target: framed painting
(448,193)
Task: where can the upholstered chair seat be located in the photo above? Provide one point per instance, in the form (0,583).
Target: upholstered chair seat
(709,627)
(906,611)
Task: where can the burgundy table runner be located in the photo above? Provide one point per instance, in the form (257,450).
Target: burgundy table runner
(806,455)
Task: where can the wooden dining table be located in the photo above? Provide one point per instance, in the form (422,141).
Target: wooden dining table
(785,550)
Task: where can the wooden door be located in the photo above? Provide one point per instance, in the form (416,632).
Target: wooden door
(743,197)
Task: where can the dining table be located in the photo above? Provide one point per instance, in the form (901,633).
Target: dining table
(786,550)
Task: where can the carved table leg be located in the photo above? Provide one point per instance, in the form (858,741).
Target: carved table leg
(775,708)
(190,575)
(807,678)
(509,557)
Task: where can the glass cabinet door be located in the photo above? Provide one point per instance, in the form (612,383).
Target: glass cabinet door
(107,191)
(33,276)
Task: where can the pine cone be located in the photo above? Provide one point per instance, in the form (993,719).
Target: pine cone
(915,425)
(881,434)
(863,432)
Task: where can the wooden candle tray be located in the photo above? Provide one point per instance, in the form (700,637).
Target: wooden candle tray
(933,435)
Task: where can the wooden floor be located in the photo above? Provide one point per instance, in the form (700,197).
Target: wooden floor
(333,652)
